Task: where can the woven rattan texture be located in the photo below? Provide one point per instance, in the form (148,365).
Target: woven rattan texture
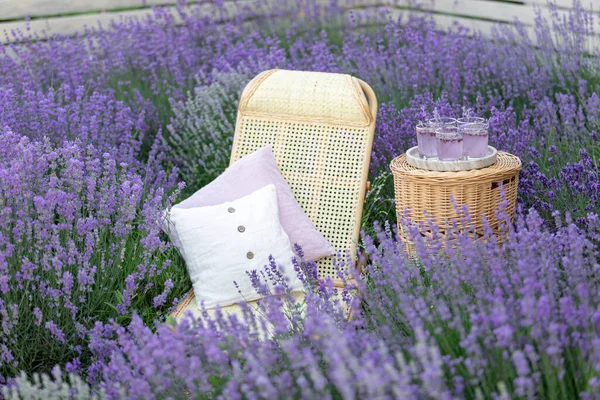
(427,194)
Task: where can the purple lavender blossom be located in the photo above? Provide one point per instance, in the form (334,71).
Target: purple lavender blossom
(90,129)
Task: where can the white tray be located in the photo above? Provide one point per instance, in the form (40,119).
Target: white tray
(414,159)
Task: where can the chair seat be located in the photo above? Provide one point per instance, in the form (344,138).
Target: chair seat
(188,305)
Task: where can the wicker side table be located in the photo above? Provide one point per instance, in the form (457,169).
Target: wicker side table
(426,195)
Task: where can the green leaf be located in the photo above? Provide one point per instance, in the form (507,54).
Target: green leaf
(170,321)
(222,346)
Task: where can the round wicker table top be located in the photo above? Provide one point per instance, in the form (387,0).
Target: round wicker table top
(506,164)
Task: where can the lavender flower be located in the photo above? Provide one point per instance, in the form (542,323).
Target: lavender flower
(71,224)
(85,174)
(201,131)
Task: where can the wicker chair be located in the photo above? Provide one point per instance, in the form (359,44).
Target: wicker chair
(320,126)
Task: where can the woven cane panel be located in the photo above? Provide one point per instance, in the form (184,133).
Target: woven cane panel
(426,195)
(323,164)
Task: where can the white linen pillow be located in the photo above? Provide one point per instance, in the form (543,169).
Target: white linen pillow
(221,243)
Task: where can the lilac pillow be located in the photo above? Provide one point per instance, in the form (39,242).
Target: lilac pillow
(251,173)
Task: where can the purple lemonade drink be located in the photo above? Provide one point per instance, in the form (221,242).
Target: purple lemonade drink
(475,145)
(426,135)
(449,144)
(426,140)
(475,140)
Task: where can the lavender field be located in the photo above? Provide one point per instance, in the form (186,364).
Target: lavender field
(99,133)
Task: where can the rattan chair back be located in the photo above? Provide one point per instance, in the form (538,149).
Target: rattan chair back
(320,126)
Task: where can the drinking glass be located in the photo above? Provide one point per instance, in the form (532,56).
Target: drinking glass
(475,139)
(449,143)
(471,120)
(426,140)
(443,121)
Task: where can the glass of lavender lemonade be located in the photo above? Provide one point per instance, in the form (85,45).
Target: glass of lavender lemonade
(475,139)
(443,121)
(426,140)
(471,120)
(449,143)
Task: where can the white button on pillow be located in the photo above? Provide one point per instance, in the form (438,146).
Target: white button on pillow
(221,243)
